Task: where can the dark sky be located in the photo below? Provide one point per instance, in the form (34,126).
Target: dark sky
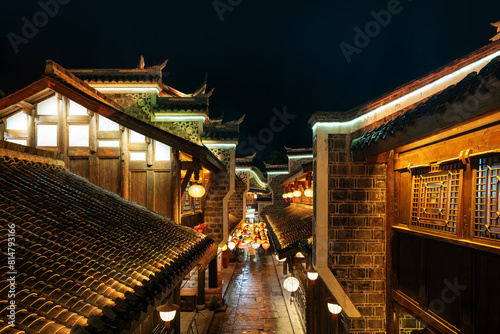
(263,55)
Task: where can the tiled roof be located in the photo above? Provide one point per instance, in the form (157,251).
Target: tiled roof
(85,257)
(276,168)
(214,134)
(179,107)
(97,76)
(453,93)
(289,226)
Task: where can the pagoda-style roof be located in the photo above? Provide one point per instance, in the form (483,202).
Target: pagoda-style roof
(86,260)
(394,133)
(291,152)
(289,226)
(276,168)
(119,76)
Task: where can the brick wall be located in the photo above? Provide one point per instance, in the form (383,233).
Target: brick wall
(356,201)
(236,201)
(214,207)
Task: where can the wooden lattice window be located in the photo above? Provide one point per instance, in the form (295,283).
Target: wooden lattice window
(486,205)
(436,199)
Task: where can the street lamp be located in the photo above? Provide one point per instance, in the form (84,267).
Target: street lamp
(291,284)
(333,307)
(167,312)
(312,275)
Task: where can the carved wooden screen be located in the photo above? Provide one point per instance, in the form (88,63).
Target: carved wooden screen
(486,205)
(435,199)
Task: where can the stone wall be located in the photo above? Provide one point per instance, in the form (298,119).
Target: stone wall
(356,201)
(214,212)
(408,324)
(236,201)
(274,182)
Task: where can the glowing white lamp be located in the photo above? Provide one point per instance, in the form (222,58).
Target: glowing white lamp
(312,275)
(308,193)
(333,307)
(231,245)
(167,312)
(297,193)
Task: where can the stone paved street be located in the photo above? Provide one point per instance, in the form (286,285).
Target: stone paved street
(255,301)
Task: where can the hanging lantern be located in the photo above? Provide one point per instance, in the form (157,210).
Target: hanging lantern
(224,248)
(231,245)
(297,193)
(255,196)
(289,195)
(266,245)
(312,275)
(196,191)
(255,245)
(333,307)
(291,284)
(308,193)
(243,245)
(167,312)
(284,196)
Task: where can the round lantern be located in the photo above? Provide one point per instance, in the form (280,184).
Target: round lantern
(291,284)
(224,248)
(243,245)
(231,245)
(196,191)
(284,196)
(289,195)
(266,245)
(167,312)
(255,245)
(255,196)
(297,193)
(308,193)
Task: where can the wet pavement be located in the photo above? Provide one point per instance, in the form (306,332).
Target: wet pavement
(254,299)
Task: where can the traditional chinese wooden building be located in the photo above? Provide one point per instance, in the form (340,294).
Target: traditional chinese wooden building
(126,131)
(406,216)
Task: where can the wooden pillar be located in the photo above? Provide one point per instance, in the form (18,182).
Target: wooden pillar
(310,303)
(201,287)
(2,129)
(125,156)
(62,133)
(30,139)
(176,299)
(150,194)
(92,132)
(389,235)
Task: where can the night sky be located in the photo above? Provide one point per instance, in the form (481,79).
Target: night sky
(262,56)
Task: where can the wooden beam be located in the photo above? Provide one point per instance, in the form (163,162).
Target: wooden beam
(26,106)
(125,164)
(433,321)
(185,181)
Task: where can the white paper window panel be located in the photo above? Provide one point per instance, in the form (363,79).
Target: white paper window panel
(162,152)
(107,124)
(17,141)
(77,110)
(137,156)
(18,121)
(109,143)
(47,107)
(78,136)
(46,135)
(136,137)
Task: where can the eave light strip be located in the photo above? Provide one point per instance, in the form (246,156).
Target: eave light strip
(219,145)
(262,184)
(277,173)
(403,101)
(309,156)
(129,89)
(180,118)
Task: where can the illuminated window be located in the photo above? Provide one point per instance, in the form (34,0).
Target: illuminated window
(436,200)
(162,152)
(78,135)
(109,143)
(137,156)
(136,137)
(17,141)
(46,135)
(487,199)
(47,107)
(18,121)
(107,125)
(77,110)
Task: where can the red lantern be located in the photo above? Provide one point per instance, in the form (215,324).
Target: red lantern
(243,245)
(266,245)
